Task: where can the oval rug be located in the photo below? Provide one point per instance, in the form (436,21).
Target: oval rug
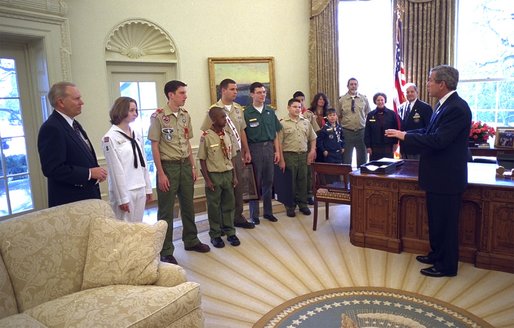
(367,307)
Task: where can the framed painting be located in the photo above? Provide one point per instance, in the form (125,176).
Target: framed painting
(504,138)
(245,71)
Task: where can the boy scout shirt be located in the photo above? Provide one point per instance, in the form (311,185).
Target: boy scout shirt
(261,127)
(309,116)
(353,120)
(216,151)
(234,127)
(172,132)
(296,135)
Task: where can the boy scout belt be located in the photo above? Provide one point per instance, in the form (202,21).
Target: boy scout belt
(176,161)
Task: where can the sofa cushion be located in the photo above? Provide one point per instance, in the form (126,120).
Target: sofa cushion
(122,253)
(7,299)
(120,306)
(20,320)
(45,251)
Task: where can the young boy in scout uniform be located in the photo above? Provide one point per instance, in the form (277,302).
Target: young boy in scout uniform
(311,117)
(215,155)
(235,127)
(295,137)
(330,142)
(170,131)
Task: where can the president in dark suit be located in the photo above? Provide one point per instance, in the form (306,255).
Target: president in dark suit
(415,115)
(67,156)
(443,173)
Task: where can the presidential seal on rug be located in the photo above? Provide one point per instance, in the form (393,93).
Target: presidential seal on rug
(368,307)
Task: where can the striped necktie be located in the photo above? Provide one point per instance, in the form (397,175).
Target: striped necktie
(81,134)
(436,112)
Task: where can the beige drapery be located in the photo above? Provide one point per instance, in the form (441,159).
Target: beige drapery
(323,52)
(428,38)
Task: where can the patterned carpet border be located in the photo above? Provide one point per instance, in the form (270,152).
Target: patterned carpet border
(367,307)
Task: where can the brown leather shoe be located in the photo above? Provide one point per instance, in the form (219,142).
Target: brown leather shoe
(200,248)
(169,259)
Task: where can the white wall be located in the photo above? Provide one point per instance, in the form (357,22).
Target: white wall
(200,29)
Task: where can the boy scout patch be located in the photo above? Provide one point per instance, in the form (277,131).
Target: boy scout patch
(106,139)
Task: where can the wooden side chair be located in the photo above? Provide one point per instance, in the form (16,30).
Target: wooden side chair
(331,184)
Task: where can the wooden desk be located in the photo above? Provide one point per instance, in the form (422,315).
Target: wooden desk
(493,152)
(389,213)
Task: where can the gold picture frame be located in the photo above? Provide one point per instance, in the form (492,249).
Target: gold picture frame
(504,138)
(245,71)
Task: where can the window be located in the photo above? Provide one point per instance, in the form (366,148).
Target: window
(366,47)
(15,186)
(485,59)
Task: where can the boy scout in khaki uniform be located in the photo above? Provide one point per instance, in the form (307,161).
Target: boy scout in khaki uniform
(295,137)
(235,127)
(215,155)
(170,131)
(309,116)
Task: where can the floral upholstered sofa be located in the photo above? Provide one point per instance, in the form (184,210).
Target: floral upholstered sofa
(76,266)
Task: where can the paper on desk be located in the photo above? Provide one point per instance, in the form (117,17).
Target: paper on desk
(390,160)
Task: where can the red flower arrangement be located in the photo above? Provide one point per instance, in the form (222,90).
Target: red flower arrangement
(480,132)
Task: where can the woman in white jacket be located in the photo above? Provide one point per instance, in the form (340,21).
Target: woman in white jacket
(129,182)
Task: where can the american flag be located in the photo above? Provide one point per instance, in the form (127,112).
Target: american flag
(399,70)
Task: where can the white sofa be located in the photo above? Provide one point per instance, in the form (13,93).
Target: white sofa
(55,273)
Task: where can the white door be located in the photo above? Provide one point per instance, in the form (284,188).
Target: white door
(144,83)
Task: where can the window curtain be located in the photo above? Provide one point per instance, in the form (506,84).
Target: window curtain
(428,38)
(323,49)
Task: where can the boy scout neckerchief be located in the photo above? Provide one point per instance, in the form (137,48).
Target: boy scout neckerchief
(135,146)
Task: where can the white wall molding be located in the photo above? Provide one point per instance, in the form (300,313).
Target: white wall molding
(138,39)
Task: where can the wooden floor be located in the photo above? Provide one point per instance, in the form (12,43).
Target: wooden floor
(282,260)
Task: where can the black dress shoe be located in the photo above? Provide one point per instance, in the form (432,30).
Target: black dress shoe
(290,212)
(217,242)
(256,221)
(245,225)
(433,272)
(233,240)
(425,259)
(270,217)
(200,248)
(305,211)
(168,259)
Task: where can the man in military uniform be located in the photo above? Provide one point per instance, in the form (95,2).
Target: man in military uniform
(415,115)
(295,137)
(170,131)
(235,129)
(215,155)
(261,130)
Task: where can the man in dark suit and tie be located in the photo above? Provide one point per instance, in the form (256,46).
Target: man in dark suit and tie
(67,156)
(443,173)
(415,114)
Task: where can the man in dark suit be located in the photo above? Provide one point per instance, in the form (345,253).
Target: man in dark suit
(443,173)
(415,114)
(67,156)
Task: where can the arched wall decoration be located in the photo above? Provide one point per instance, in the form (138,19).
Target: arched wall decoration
(138,39)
